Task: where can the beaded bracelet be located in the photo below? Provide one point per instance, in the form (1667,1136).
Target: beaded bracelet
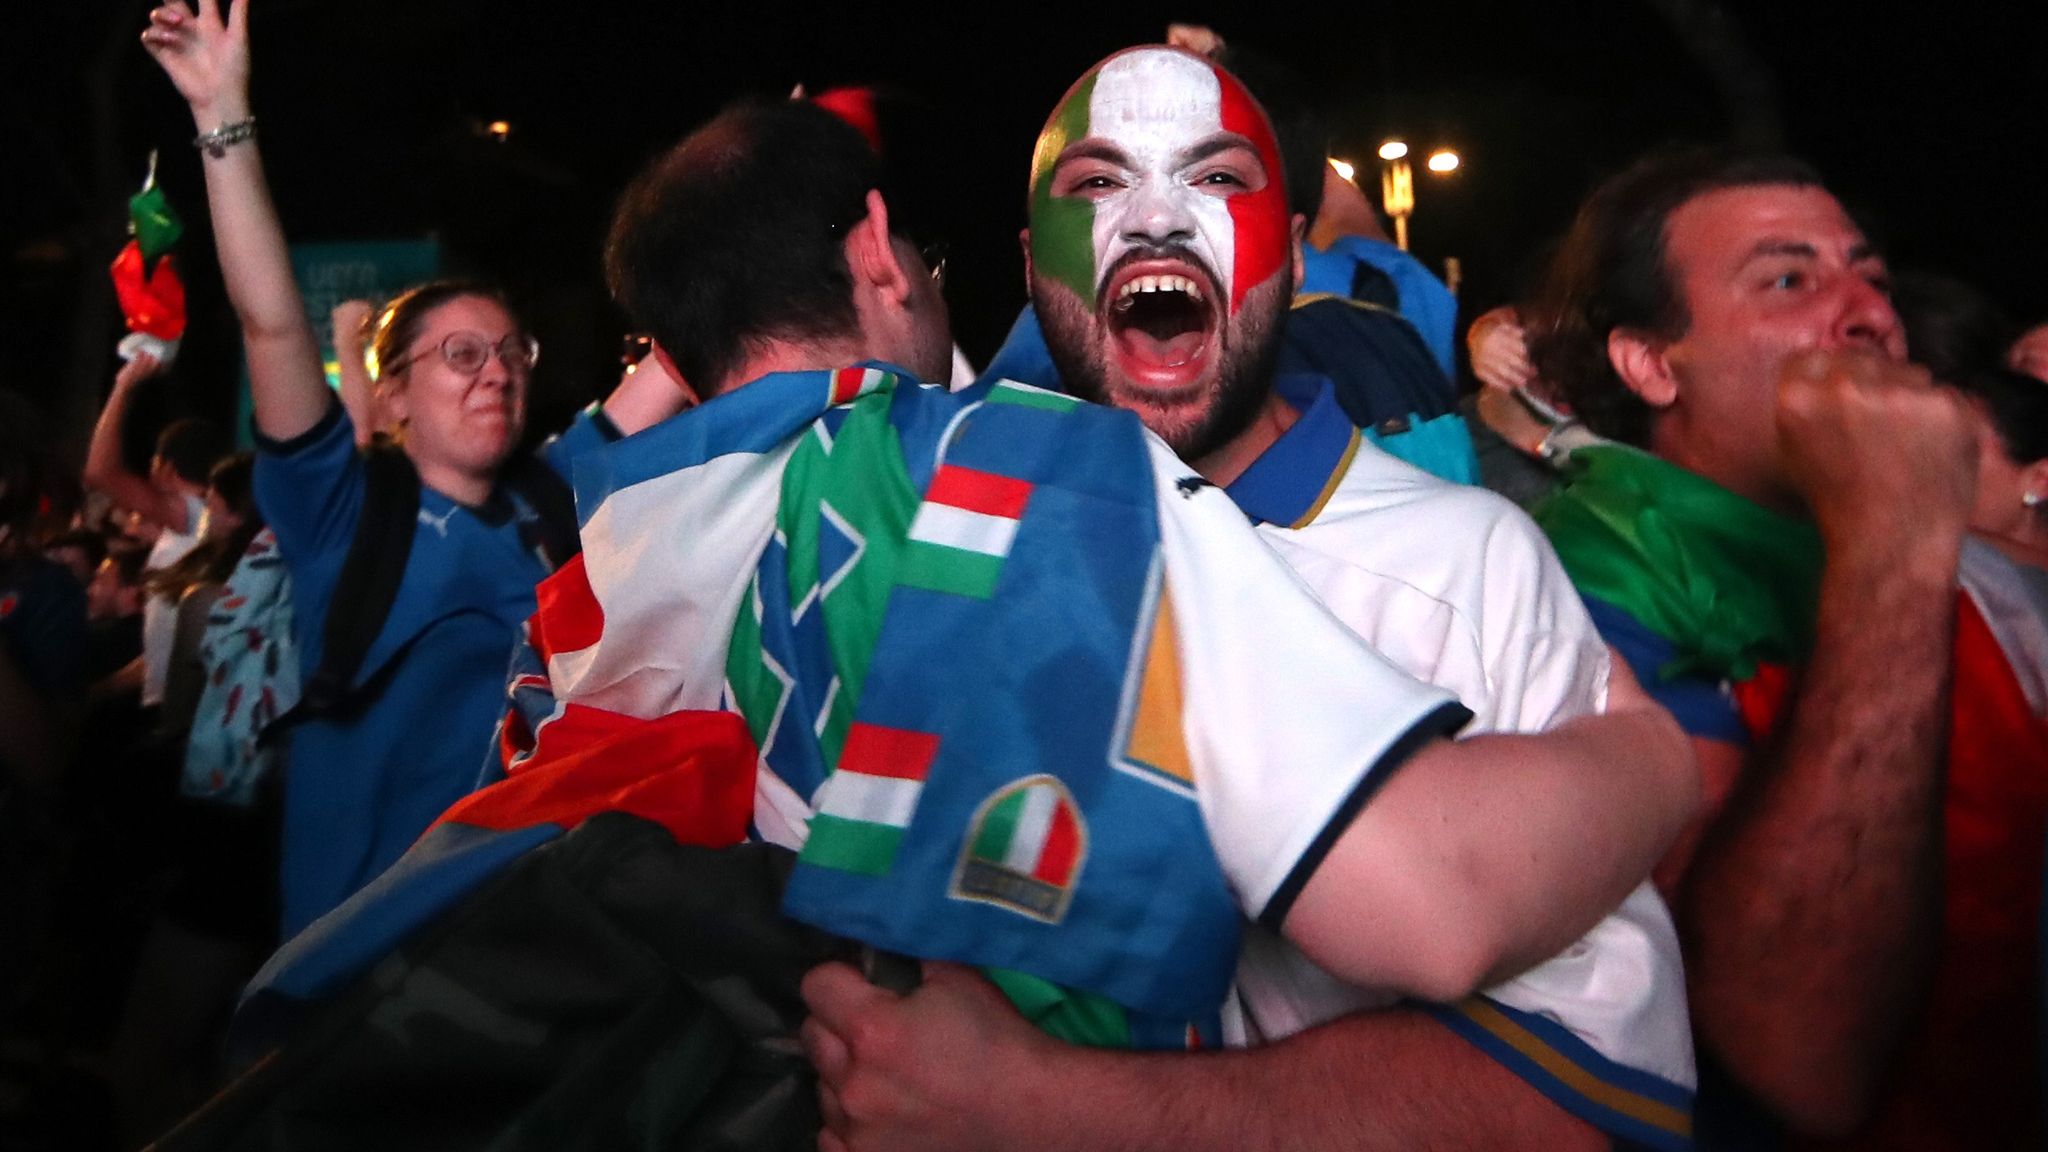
(217,142)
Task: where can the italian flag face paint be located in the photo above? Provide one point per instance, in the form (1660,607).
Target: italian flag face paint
(1156,111)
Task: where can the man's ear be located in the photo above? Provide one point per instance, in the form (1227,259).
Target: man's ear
(1297,233)
(871,257)
(1640,362)
(1024,242)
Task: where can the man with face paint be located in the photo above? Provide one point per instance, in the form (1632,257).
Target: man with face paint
(1162,257)
(1160,247)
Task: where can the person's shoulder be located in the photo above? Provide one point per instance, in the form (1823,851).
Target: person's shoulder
(1379,483)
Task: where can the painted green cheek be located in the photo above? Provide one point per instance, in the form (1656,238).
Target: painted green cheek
(1063,243)
(1063,228)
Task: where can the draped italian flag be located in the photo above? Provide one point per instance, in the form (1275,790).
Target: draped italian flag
(1733,586)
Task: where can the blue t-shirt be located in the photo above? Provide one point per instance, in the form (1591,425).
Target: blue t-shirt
(361,785)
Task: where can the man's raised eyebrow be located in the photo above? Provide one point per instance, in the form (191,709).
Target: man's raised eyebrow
(1220,142)
(1092,148)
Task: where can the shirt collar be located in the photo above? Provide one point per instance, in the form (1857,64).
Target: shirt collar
(1291,480)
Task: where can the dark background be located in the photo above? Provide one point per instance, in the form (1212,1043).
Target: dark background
(1927,119)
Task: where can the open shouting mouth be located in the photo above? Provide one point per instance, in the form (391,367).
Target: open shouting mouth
(1163,322)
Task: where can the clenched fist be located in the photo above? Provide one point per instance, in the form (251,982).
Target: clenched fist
(1877,451)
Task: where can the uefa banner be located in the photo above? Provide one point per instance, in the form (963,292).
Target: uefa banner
(329,273)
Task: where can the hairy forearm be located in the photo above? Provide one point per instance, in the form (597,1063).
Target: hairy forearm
(1391,1080)
(1812,906)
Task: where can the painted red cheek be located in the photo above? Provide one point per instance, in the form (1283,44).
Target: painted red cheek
(1260,218)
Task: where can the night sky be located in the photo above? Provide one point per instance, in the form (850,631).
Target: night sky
(1926,118)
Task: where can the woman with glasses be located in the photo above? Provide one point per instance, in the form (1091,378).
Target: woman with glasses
(394,737)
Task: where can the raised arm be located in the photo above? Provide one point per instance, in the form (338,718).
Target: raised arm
(351,321)
(1481,857)
(647,394)
(1812,906)
(106,472)
(208,60)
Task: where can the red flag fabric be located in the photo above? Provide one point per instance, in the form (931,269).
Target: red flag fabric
(152,300)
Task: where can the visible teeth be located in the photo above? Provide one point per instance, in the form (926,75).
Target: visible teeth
(1139,284)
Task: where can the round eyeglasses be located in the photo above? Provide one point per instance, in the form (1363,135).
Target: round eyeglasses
(467,353)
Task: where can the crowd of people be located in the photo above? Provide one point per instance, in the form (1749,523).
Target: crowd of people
(1207,728)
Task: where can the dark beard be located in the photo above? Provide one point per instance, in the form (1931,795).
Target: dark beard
(1250,346)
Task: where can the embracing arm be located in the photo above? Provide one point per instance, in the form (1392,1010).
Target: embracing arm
(916,1073)
(208,61)
(106,472)
(1481,857)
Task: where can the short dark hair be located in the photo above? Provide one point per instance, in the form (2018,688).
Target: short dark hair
(1610,273)
(735,236)
(395,327)
(191,447)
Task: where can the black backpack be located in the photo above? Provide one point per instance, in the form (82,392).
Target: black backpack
(612,989)
(382,545)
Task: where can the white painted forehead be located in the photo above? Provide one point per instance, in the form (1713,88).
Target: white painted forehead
(1154,89)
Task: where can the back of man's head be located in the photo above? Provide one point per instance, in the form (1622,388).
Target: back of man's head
(191,447)
(734,237)
(1610,273)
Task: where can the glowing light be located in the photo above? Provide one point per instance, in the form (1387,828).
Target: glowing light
(1344,170)
(1393,150)
(501,129)
(1443,160)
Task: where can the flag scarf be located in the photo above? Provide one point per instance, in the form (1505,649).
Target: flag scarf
(989,804)
(1731,584)
(826,554)
(955,824)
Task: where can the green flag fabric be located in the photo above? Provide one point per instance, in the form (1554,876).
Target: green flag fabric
(156,223)
(1728,582)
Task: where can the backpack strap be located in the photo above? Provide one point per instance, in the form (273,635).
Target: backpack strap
(370,574)
(543,490)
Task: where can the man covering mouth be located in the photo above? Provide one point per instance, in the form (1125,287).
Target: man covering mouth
(1160,241)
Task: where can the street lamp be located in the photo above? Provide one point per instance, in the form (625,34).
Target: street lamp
(1397,182)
